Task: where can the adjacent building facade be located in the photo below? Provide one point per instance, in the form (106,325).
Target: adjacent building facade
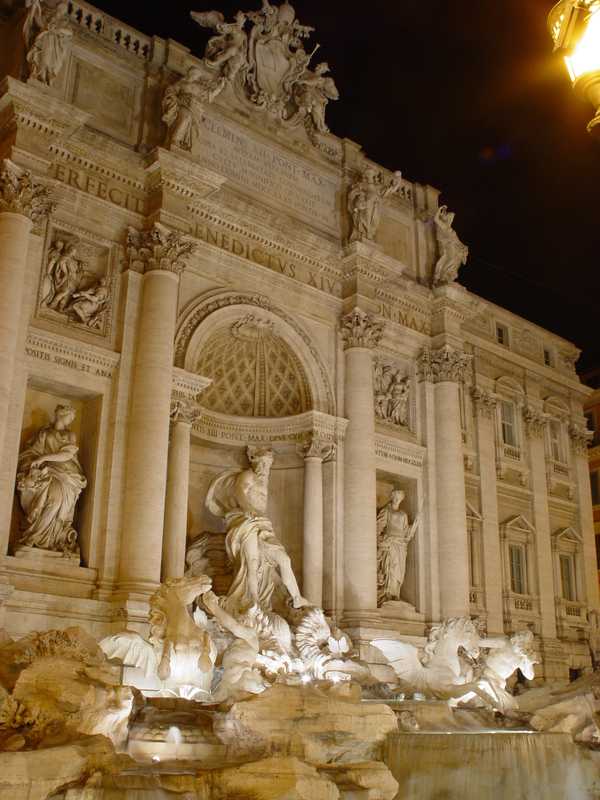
(194,265)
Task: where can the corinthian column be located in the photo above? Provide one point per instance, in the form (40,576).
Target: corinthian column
(314,452)
(446,368)
(159,255)
(360,334)
(23,202)
(183,416)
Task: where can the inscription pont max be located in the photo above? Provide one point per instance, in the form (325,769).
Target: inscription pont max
(259,170)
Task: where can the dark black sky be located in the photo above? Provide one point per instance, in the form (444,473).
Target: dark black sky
(468,97)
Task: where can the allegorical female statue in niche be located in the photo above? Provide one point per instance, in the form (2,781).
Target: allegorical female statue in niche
(49,482)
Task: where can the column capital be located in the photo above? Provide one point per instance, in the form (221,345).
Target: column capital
(535,421)
(581,437)
(484,402)
(359,329)
(446,364)
(316,448)
(184,412)
(21,194)
(158,249)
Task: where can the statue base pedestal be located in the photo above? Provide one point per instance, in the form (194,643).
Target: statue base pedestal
(36,554)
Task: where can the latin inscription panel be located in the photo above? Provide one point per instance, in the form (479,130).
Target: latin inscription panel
(266,174)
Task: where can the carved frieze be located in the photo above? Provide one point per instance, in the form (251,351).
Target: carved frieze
(535,421)
(317,448)
(581,437)
(526,342)
(21,194)
(568,360)
(484,402)
(391,393)
(77,280)
(438,366)
(157,249)
(359,329)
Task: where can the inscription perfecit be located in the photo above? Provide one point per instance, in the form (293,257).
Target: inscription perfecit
(257,169)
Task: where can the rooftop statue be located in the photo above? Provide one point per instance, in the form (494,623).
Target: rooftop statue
(453,252)
(266,65)
(182,109)
(49,482)
(364,202)
(240,498)
(46,49)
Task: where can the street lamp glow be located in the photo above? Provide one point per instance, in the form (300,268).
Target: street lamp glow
(575,27)
(586,56)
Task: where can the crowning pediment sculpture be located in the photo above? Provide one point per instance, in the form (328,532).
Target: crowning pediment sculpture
(267,66)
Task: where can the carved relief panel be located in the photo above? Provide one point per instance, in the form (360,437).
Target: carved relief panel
(393,395)
(77,280)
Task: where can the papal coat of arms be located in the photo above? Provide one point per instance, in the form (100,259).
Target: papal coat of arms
(267,65)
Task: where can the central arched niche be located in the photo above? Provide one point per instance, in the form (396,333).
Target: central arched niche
(261,361)
(254,371)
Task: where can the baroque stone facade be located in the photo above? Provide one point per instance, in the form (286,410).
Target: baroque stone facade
(195,265)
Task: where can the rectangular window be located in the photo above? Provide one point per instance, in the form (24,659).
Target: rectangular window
(509,436)
(567,578)
(502,335)
(595,486)
(548,357)
(517,569)
(555,441)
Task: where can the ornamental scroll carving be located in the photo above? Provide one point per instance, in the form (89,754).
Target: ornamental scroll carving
(484,402)
(184,412)
(438,366)
(581,437)
(359,329)
(21,194)
(316,448)
(158,249)
(267,67)
(391,389)
(535,421)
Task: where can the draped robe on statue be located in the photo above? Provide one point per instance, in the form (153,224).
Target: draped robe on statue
(241,526)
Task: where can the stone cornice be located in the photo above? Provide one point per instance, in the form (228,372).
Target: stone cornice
(21,194)
(360,330)
(188,386)
(157,250)
(438,366)
(30,107)
(367,259)
(71,354)
(181,175)
(286,432)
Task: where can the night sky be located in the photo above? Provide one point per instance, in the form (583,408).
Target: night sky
(473,102)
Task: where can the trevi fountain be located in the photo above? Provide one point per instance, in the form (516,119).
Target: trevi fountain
(287,513)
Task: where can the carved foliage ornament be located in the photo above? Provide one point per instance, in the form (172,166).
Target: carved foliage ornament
(391,390)
(484,402)
(20,194)
(267,67)
(316,448)
(437,366)
(581,437)
(158,249)
(359,329)
(185,412)
(535,421)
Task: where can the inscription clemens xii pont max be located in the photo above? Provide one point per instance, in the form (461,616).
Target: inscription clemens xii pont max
(261,170)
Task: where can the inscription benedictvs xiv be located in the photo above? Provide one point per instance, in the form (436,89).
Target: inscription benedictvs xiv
(255,169)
